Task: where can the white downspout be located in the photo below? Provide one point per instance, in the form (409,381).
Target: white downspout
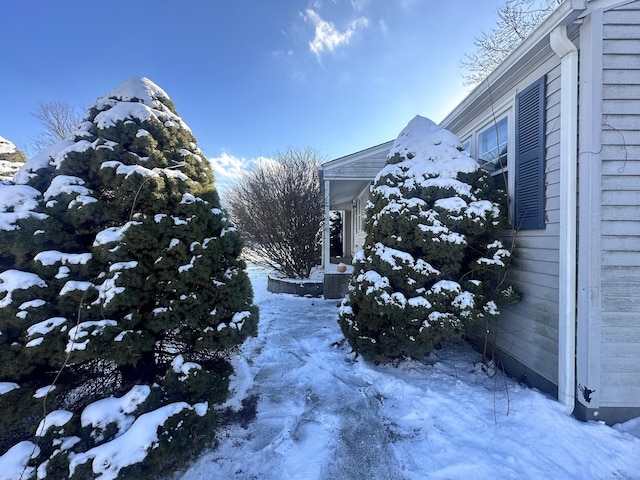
(568,54)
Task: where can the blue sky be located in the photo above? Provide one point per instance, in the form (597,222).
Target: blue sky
(250,77)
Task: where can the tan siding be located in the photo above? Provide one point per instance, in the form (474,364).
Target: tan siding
(620,214)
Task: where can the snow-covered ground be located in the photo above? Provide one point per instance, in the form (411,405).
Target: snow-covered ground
(324,415)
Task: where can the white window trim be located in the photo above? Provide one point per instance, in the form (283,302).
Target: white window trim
(361,207)
(471,135)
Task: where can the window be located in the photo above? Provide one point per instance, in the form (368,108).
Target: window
(512,149)
(529,157)
(492,146)
(361,210)
(467,146)
(492,151)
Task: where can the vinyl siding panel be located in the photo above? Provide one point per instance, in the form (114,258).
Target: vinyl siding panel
(620,213)
(528,331)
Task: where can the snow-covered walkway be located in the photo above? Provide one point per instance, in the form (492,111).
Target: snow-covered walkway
(322,415)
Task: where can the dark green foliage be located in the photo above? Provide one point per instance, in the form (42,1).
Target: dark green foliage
(335,234)
(121,266)
(432,262)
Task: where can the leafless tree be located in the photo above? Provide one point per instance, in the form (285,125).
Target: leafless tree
(58,119)
(516,20)
(278,208)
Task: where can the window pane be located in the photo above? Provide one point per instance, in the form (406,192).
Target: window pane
(492,146)
(500,180)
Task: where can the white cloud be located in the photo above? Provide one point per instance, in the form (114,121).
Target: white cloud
(327,37)
(383,27)
(227,166)
(282,53)
(359,5)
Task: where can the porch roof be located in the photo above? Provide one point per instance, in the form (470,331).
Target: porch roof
(349,175)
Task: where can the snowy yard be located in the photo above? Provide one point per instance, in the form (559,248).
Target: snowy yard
(324,415)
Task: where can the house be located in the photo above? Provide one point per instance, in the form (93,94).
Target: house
(558,125)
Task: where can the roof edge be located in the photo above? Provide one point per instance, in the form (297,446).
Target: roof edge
(361,153)
(567,12)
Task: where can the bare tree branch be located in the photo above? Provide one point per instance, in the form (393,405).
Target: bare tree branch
(516,20)
(58,120)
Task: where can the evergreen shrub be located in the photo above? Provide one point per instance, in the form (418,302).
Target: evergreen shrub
(433,262)
(120,274)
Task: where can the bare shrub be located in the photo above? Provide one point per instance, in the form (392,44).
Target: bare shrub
(58,120)
(278,208)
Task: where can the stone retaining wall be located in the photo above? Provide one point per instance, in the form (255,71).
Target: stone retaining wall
(302,288)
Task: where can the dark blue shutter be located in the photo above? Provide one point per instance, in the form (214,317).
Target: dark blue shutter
(529,157)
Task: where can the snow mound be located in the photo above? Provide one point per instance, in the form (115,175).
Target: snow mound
(42,160)
(6,146)
(17,202)
(129,448)
(137,98)
(139,89)
(430,150)
(12,463)
(11,280)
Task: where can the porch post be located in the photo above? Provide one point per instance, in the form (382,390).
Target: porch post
(326,237)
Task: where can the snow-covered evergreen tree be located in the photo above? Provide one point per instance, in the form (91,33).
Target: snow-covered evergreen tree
(11,159)
(121,291)
(432,259)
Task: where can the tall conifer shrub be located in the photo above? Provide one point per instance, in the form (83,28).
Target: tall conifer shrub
(121,283)
(432,263)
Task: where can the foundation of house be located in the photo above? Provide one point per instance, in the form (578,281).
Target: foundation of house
(335,285)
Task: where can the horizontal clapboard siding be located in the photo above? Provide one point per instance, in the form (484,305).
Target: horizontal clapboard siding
(528,331)
(620,280)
